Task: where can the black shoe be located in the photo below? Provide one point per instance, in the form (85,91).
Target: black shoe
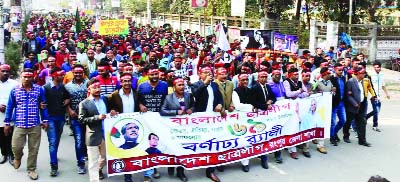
(183,178)
(337,139)
(3,159)
(279,160)
(54,171)
(11,160)
(128,178)
(307,154)
(347,140)
(181,175)
(221,168)
(245,168)
(264,164)
(101,175)
(334,142)
(364,144)
(171,171)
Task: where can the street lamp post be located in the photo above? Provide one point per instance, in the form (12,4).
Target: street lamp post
(2,58)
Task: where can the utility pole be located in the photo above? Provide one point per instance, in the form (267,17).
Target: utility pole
(350,15)
(149,12)
(2,58)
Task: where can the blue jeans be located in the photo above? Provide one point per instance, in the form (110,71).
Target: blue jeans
(340,111)
(54,131)
(376,108)
(79,136)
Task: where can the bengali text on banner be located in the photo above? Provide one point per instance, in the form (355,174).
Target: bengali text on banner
(140,141)
(113,27)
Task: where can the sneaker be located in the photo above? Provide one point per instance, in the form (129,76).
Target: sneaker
(101,175)
(315,141)
(33,175)
(17,163)
(54,171)
(147,179)
(376,129)
(322,150)
(156,174)
(81,169)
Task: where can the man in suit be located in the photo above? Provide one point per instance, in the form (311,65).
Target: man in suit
(262,97)
(178,103)
(208,99)
(339,82)
(226,88)
(92,112)
(356,106)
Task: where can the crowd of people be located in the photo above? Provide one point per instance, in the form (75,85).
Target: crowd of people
(85,76)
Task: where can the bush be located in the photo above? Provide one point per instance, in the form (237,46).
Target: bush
(13,58)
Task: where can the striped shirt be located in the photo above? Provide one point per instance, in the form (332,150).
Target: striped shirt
(78,93)
(27,107)
(108,85)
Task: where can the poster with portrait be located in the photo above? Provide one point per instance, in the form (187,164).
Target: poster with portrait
(137,142)
(285,43)
(255,39)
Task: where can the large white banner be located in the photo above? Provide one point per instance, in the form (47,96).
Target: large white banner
(137,142)
(238,8)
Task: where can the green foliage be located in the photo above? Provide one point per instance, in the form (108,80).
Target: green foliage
(78,25)
(13,57)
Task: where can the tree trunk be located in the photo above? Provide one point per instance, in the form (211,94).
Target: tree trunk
(308,14)
(298,9)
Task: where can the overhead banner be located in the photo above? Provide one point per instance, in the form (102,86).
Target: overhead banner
(199,3)
(238,8)
(115,3)
(136,142)
(285,43)
(251,40)
(113,27)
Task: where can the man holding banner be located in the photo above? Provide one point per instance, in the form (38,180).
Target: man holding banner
(92,112)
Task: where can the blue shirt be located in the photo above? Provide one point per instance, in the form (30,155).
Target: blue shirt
(27,107)
(152,98)
(28,64)
(100,105)
(66,67)
(278,89)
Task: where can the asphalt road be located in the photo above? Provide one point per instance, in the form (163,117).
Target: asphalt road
(344,163)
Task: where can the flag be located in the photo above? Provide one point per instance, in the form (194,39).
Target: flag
(199,3)
(223,43)
(78,25)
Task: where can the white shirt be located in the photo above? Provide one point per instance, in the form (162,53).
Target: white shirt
(378,83)
(360,85)
(128,103)
(82,58)
(210,103)
(99,56)
(6,88)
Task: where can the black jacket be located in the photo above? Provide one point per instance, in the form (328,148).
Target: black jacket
(336,98)
(257,98)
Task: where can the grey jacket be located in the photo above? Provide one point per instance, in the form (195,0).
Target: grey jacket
(171,104)
(353,93)
(89,116)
